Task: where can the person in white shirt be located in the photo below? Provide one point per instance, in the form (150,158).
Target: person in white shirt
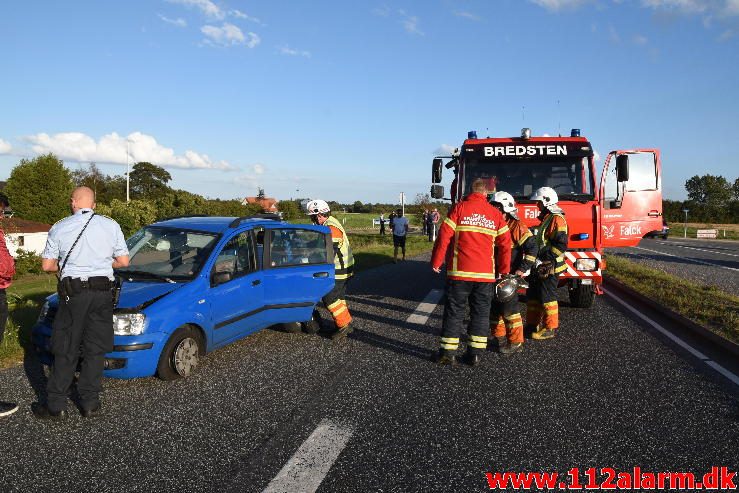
(400,231)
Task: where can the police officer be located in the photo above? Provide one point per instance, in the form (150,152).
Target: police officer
(335,301)
(85,247)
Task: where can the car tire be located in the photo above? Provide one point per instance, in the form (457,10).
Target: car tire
(181,354)
(582,296)
(292,327)
(313,326)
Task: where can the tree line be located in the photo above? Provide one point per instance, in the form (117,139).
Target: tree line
(711,199)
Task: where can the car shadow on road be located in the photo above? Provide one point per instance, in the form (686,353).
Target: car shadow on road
(386,343)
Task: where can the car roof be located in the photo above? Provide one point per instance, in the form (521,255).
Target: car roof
(211,224)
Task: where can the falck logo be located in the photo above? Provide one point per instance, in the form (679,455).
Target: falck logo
(608,232)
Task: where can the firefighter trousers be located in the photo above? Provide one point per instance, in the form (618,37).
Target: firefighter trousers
(336,304)
(541,304)
(505,320)
(479,295)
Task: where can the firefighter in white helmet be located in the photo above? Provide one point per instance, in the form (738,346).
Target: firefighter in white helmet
(320,213)
(542,314)
(505,317)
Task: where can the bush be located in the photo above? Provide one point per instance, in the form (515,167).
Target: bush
(27,263)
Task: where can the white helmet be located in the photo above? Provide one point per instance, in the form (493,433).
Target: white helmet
(546,195)
(317,206)
(506,200)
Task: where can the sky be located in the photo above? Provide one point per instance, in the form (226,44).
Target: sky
(351,101)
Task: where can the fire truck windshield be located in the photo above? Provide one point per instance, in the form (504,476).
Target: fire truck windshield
(569,177)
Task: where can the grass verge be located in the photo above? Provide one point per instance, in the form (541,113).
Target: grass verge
(371,250)
(25,297)
(705,305)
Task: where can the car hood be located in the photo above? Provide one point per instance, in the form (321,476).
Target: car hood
(134,294)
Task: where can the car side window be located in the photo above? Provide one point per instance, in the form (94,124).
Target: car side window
(237,256)
(297,247)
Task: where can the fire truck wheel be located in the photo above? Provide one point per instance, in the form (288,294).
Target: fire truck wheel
(582,296)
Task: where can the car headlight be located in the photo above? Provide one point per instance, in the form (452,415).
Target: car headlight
(128,324)
(586,264)
(44,312)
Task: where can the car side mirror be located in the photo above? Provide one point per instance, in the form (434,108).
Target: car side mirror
(622,168)
(436,170)
(437,191)
(220,278)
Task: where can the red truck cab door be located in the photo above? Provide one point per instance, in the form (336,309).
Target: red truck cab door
(630,197)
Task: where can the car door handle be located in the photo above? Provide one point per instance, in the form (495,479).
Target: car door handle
(320,274)
(256,283)
(654,214)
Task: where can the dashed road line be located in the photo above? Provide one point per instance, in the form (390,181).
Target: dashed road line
(307,468)
(688,259)
(424,310)
(705,359)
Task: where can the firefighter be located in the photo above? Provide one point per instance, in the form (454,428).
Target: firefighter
(474,240)
(320,213)
(542,313)
(505,318)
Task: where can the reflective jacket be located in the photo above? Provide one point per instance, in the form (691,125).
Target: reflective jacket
(524,248)
(551,237)
(343,258)
(475,241)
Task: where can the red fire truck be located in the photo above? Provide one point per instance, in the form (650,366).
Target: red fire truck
(615,211)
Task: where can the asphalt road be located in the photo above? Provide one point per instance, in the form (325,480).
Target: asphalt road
(707,262)
(606,393)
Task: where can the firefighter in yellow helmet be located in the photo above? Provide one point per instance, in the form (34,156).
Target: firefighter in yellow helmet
(542,313)
(320,213)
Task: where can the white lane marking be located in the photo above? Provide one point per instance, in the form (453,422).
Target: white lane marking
(702,250)
(728,374)
(424,310)
(688,259)
(306,469)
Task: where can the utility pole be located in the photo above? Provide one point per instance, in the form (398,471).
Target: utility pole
(685,229)
(128,173)
(402,202)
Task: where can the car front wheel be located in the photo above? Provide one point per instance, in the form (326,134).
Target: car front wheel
(181,354)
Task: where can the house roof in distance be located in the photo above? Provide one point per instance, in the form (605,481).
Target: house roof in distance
(15,225)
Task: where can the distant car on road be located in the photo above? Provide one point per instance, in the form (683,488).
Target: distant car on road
(663,233)
(195,284)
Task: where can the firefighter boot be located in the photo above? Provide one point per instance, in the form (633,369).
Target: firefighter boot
(501,340)
(544,333)
(510,348)
(471,359)
(342,332)
(445,357)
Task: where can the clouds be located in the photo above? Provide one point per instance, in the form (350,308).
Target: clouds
(229,35)
(444,150)
(468,15)
(409,22)
(179,22)
(206,7)
(286,50)
(117,149)
(5,147)
(557,5)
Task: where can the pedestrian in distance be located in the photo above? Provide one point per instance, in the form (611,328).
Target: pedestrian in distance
(505,317)
(7,271)
(400,231)
(382,224)
(476,245)
(424,216)
(542,310)
(435,218)
(335,301)
(430,226)
(84,248)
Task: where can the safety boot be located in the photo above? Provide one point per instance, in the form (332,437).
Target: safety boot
(342,332)
(544,333)
(471,359)
(511,348)
(445,357)
(501,340)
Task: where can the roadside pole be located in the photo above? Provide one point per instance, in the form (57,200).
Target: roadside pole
(685,225)
(402,202)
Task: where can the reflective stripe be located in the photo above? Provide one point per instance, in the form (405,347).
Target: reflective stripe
(523,239)
(530,258)
(479,338)
(515,316)
(450,223)
(339,310)
(502,230)
(562,229)
(473,275)
(343,259)
(450,346)
(334,304)
(558,253)
(478,345)
(450,340)
(477,229)
(561,268)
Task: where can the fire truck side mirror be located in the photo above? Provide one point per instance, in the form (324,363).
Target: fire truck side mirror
(437,191)
(436,170)
(622,168)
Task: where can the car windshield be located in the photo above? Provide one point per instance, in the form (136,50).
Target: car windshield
(570,178)
(167,254)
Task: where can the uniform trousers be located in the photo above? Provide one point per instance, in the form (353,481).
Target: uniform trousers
(541,304)
(83,327)
(458,294)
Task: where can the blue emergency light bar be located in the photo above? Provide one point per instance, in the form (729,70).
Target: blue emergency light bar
(583,236)
(472,134)
(575,132)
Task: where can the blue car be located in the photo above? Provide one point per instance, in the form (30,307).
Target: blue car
(195,284)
